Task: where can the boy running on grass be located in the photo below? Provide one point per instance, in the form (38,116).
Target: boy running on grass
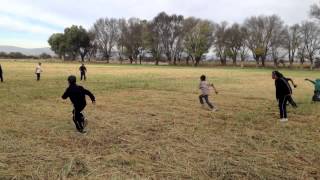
(204,86)
(77,95)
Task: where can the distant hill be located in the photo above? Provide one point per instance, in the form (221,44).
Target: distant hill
(26,51)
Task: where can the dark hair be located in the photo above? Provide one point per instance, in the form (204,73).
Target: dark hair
(203,78)
(72,79)
(278,74)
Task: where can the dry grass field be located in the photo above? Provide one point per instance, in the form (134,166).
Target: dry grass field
(148,124)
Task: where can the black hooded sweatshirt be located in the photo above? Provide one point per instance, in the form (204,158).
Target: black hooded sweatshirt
(282,88)
(77,96)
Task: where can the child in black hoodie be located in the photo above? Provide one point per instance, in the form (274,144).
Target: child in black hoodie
(283,94)
(77,96)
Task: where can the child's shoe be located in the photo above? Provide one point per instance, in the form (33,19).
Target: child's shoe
(284,120)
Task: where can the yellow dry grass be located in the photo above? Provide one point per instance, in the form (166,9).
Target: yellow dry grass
(148,124)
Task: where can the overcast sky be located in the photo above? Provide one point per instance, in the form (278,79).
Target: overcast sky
(29,23)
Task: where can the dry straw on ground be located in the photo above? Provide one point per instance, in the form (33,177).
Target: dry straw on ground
(148,124)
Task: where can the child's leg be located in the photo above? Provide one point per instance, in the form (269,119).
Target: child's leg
(206,97)
(283,107)
(291,101)
(78,120)
(201,100)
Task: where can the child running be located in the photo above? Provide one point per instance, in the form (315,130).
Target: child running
(290,99)
(204,86)
(316,96)
(283,93)
(77,96)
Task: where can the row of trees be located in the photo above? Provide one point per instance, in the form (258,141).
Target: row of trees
(19,55)
(174,38)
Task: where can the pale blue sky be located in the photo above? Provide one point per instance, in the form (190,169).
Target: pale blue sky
(29,23)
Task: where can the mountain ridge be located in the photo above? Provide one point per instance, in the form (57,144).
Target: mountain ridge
(26,51)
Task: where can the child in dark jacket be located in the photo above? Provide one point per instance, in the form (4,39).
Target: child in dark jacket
(77,96)
(283,94)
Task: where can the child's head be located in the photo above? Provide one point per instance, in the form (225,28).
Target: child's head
(39,63)
(72,79)
(203,78)
(276,75)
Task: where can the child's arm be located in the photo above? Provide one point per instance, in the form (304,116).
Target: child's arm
(294,85)
(87,92)
(214,88)
(310,81)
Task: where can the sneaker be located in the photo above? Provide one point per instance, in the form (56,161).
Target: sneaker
(85,123)
(284,120)
(83,131)
(214,109)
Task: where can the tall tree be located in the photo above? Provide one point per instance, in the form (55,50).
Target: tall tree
(260,31)
(77,41)
(292,41)
(235,41)
(311,40)
(199,38)
(107,35)
(220,42)
(57,44)
(277,42)
(170,29)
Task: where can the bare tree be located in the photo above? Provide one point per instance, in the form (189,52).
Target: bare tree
(132,38)
(244,50)
(199,38)
(170,30)
(311,40)
(107,35)
(260,30)
(235,41)
(154,42)
(93,47)
(221,43)
(277,42)
(292,41)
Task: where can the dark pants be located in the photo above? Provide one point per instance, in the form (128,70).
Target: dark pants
(283,106)
(316,96)
(206,98)
(38,76)
(83,76)
(1,77)
(78,118)
(291,101)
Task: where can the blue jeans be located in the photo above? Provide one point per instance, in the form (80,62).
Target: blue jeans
(206,98)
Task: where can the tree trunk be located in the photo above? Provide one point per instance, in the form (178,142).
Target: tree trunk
(234,60)
(275,62)
(157,61)
(311,63)
(263,60)
(175,60)
(197,61)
